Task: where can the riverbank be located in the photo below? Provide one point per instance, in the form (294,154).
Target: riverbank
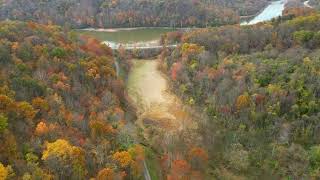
(133,38)
(148,88)
(161,115)
(130,29)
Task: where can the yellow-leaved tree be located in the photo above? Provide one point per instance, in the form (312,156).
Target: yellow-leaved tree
(6,172)
(67,157)
(124,158)
(105,174)
(3,172)
(243,101)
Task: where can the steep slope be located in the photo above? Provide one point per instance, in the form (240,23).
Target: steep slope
(259,86)
(62,108)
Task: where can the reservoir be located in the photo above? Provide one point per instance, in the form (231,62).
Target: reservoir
(128,37)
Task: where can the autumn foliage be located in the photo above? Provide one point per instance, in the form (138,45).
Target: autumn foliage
(124,158)
(3,172)
(41,129)
(126,13)
(258,87)
(105,174)
(243,101)
(59,102)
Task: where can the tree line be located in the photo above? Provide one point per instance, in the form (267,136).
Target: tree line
(129,13)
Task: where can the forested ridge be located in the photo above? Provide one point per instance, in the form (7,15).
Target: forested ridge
(129,13)
(259,88)
(62,108)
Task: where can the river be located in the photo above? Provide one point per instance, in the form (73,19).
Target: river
(274,10)
(146,85)
(158,107)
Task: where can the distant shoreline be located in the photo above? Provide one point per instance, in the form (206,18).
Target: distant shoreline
(130,29)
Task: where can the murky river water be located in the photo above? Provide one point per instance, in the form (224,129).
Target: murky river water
(158,107)
(147,86)
(149,90)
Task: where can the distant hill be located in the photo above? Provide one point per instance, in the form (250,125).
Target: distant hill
(128,13)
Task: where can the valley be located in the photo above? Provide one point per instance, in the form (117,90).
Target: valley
(159,89)
(159,109)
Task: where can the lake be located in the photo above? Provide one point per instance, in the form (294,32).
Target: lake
(149,37)
(128,37)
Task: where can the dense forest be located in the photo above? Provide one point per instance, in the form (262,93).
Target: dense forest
(129,13)
(258,87)
(250,95)
(62,109)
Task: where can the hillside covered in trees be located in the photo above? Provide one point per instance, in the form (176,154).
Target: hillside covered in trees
(245,99)
(62,108)
(129,13)
(258,87)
